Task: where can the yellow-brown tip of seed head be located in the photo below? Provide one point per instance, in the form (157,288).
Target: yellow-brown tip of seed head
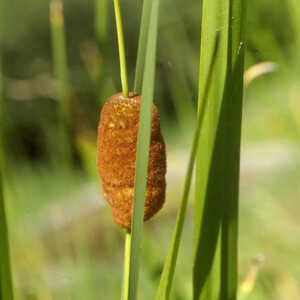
(117,140)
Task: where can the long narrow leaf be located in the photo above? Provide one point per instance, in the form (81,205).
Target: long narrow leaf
(6,288)
(232,133)
(142,156)
(294,9)
(209,168)
(101,20)
(104,82)
(165,284)
(142,46)
(61,75)
(215,255)
(6,291)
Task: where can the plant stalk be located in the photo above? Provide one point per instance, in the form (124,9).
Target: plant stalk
(122,52)
(125,293)
(6,281)
(62,77)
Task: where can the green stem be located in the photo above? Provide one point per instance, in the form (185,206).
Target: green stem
(6,281)
(121,44)
(101,20)
(61,74)
(125,295)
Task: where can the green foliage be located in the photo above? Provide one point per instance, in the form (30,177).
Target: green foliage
(142,156)
(101,20)
(52,261)
(217,173)
(6,287)
(142,46)
(167,276)
(62,77)
(121,43)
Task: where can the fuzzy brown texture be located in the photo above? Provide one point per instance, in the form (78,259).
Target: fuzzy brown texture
(117,141)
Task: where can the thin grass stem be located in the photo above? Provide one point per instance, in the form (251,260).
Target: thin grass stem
(127,248)
(62,77)
(101,20)
(121,43)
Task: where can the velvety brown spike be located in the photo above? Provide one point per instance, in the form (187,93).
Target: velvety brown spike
(117,140)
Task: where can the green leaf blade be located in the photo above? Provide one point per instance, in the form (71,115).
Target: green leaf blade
(101,20)
(217,171)
(209,168)
(62,76)
(142,46)
(6,289)
(6,283)
(142,156)
(233,96)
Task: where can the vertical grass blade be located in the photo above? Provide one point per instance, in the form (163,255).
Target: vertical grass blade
(142,46)
(101,20)
(6,287)
(232,136)
(104,83)
(61,75)
(165,284)
(217,170)
(209,167)
(294,9)
(142,156)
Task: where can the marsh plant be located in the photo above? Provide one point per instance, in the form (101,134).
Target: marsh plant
(132,151)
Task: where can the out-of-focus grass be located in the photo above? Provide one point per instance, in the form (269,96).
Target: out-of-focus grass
(73,253)
(64,243)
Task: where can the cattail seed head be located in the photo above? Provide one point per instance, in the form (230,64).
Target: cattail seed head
(117,141)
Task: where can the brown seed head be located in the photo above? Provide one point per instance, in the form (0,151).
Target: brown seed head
(117,140)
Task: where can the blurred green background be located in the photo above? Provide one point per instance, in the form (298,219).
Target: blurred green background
(64,243)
